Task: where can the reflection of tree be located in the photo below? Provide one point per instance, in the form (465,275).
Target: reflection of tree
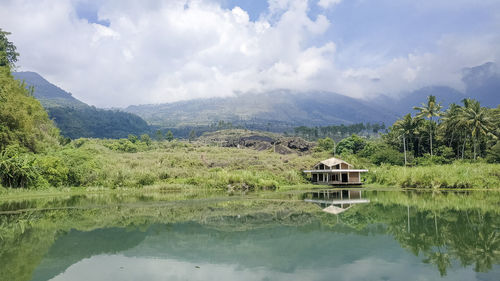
(486,251)
(440,259)
(470,237)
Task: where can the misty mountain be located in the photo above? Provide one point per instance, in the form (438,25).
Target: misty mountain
(75,118)
(285,107)
(291,109)
(483,83)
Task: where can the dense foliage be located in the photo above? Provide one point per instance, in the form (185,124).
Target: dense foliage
(338,132)
(460,132)
(91,122)
(23,121)
(75,118)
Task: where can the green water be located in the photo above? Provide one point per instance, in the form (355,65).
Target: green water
(376,235)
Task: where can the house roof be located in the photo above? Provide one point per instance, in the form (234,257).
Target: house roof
(332,162)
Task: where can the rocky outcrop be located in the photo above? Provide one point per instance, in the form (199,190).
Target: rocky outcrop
(258,141)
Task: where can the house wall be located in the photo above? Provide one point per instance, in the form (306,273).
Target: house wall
(354,177)
(344,166)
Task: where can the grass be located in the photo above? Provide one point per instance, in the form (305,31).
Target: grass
(456,175)
(96,165)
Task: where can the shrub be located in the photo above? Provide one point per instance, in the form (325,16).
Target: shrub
(326,144)
(352,144)
(428,160)
(493,154)
(146,179)
(387,155)
(17,169)
(52,169)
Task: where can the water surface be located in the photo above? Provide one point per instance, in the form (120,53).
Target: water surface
(301,235)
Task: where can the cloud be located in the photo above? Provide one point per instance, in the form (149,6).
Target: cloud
(325,4)
(164,51)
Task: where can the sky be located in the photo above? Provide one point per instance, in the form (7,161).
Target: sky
(117,53)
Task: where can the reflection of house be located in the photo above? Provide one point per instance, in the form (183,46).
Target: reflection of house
(335,171)
(335,201)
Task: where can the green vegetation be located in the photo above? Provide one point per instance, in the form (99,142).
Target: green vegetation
(338,132)
(76,119)
(90,122)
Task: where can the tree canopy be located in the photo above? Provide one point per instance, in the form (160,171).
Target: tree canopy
(8,54)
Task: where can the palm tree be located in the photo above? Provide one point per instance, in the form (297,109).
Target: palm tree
(478,120)
(407,126)
(453,127)
(429,110)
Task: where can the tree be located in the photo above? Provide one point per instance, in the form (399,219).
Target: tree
(169,136)
(159,135)
(192,135)
(326,144)
(146,139)
(478,121)
(453,128)
(8,54)
(352,144)
(429,110)
(406,128)
(132,138)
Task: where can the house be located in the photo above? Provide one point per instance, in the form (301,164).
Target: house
(336,172)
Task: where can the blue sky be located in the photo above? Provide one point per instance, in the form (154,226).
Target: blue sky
(184,49)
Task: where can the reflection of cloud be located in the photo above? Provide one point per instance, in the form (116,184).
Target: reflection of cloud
(118,267)
(156,51)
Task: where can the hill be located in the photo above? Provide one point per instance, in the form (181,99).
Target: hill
(75,118)
(47,93)
(282,110)
(279,108)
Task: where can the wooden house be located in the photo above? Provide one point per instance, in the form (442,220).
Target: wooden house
(335,171)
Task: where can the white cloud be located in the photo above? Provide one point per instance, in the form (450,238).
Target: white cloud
(325,4)
(166,51)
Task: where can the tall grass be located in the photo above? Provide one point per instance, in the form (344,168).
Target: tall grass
(456,175)
(197,164)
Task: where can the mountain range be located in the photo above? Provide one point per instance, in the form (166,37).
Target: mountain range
(289,108)
(278,110)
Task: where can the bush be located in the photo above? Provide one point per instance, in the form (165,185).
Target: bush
(493,154)
(352,144)
(428,160)
(326,144)
(52,169)
(146,179)
(17,169)
(387,155)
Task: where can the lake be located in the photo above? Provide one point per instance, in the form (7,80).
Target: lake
(328,234)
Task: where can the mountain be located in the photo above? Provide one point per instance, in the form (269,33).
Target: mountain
(282,107)
(48,94)
(75,118)
(483,83)
(404,103)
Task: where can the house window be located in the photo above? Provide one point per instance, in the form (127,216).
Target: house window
(320,177)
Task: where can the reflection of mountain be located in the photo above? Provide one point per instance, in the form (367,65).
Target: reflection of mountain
(278,248)
(439,240)
(77,245)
